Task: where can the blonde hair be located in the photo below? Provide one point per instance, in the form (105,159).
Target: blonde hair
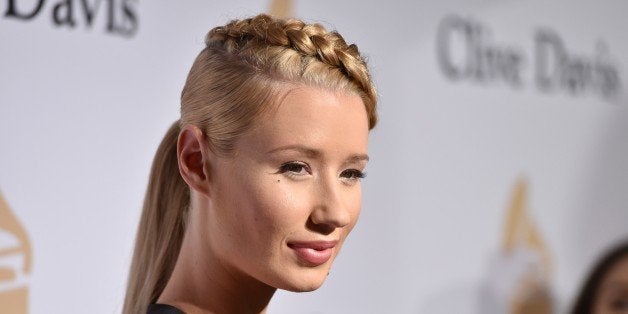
(236,77)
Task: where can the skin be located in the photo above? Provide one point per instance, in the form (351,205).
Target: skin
(293,177)
(612,296)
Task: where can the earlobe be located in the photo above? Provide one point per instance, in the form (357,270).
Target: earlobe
(192,157)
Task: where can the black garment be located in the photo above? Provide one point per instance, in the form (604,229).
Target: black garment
(163,309)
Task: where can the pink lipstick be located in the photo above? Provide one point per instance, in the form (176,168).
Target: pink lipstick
(313,253)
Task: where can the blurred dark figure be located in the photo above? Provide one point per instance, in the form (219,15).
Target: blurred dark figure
(606,288)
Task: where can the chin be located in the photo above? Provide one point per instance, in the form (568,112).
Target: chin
(303,288)
(305,280)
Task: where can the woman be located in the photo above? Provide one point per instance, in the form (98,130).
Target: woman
(606,289)
(257,186)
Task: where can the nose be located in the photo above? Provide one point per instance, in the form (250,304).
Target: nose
(331,208)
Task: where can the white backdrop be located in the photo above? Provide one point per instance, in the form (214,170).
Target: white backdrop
(83,108)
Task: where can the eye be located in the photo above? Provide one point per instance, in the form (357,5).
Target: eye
(295,168)
(620,304)
(352,174)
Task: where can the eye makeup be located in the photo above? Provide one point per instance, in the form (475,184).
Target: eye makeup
(295,168)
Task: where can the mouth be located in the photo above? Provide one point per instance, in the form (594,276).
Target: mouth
(313,253)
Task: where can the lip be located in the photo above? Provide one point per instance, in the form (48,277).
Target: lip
(313,253)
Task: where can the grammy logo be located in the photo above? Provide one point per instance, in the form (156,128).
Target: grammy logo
(518,279)
(522,242)
(16,262)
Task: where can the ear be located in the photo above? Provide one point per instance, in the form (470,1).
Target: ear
(193,154)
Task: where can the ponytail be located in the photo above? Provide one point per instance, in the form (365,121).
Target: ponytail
(161,228)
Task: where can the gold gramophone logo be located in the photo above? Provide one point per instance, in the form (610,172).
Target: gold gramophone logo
(518,280)
(522,243)
(16,262)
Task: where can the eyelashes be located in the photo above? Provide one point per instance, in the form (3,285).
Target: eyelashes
(296,169)
(353,174)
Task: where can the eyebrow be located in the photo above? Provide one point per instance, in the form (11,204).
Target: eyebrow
(314,153)
(617,284)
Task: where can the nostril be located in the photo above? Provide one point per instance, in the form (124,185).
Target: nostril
(321,228)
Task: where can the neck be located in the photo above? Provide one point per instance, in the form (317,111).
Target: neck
(201,283)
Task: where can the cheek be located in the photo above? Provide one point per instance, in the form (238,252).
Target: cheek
(274,209)
(354,206)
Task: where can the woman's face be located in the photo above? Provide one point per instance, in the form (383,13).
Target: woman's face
(282,206)
(612,295)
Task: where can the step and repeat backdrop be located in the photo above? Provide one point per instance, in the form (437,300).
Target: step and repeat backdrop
(498,173)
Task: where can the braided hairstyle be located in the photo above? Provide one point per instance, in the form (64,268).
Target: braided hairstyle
(296,51)
(241,72)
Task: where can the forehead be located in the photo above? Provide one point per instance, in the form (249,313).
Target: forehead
(316,117)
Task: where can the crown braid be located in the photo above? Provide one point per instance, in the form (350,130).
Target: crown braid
(246,37)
